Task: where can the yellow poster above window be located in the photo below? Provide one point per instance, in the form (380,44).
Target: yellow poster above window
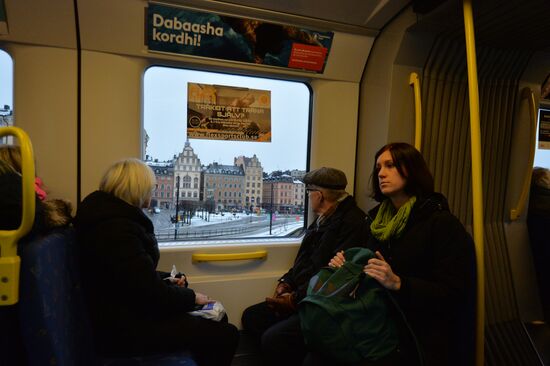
(218,112)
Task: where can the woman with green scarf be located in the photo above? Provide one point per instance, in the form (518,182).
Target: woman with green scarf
(424,257)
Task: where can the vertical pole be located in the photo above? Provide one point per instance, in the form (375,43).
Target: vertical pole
(415,82)
(177,207)
(477,186)
(271,210)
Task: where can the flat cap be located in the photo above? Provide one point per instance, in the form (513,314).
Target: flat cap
(326,178)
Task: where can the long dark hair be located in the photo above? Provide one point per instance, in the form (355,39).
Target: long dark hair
(406,158)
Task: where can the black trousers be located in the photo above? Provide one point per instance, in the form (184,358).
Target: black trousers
(210,343)
(282,342)
(256,319)
(279,337)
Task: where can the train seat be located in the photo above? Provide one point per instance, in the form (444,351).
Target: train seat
(54,325)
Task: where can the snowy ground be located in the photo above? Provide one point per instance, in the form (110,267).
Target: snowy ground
(228,225)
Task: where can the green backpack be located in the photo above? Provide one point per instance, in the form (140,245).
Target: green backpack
(345,314)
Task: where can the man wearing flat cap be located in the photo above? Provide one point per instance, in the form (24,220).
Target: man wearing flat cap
(340,224)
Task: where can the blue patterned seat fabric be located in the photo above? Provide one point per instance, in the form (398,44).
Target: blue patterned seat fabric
(54,324)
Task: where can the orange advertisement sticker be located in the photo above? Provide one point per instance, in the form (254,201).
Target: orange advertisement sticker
(306,57)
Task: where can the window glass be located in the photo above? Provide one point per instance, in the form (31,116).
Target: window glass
(225,210)
(542,154)
(6,93)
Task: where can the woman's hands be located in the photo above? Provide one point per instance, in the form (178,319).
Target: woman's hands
(202,299)
(377,268)
(180,282)
(381,271)
(338,260)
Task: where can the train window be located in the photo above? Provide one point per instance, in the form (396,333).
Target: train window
(6,93)
(542,151)
(210,179)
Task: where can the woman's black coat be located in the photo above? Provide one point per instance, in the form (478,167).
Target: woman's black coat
(119,256)
(434,257)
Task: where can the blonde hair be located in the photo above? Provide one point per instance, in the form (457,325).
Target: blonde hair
(5,168)
(131,180)
(11,155)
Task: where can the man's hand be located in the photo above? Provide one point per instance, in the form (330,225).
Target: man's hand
(282,288)
(284,304)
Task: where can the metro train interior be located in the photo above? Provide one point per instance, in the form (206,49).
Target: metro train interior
(95,81)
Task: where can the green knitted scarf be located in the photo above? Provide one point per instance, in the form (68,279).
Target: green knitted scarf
(389,224)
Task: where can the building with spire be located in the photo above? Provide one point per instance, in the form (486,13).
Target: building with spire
(187,166)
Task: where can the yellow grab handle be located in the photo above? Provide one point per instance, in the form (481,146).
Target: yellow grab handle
(260,254)
(415,82)
(515,212)
(477,186)
(27,173)
(9,261)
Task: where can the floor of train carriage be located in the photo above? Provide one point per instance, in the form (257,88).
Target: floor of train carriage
(539,333)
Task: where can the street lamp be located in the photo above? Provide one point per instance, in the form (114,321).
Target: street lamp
(271,210)
(5,117)
(177,206)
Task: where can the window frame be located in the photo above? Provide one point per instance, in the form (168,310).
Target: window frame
(257,200)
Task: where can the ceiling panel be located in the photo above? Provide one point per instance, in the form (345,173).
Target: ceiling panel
(362,14)
(353,12)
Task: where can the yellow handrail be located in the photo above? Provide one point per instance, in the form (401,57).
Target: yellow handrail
(477,186)
(9,260)
(528,94)
(415,82)
(260,254)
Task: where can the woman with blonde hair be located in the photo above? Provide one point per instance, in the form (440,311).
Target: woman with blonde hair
(134,311)
(130,180)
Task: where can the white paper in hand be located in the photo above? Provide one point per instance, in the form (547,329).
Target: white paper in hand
(213,311)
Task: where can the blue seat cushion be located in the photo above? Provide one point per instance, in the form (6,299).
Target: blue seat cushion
(173,359)
(54,322)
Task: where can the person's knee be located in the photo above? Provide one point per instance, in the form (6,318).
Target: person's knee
(255,318)
(231,334)
(271,341)
(221,335)
(278,348)
(247,319)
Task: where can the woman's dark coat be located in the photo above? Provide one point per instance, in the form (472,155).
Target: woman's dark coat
(119,256)
(434,257)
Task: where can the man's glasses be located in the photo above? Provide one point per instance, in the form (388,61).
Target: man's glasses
(308,190)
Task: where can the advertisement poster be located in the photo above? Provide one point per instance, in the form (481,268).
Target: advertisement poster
(545,88)
(3,19)
(544,129)
(218,112)
(179,30)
